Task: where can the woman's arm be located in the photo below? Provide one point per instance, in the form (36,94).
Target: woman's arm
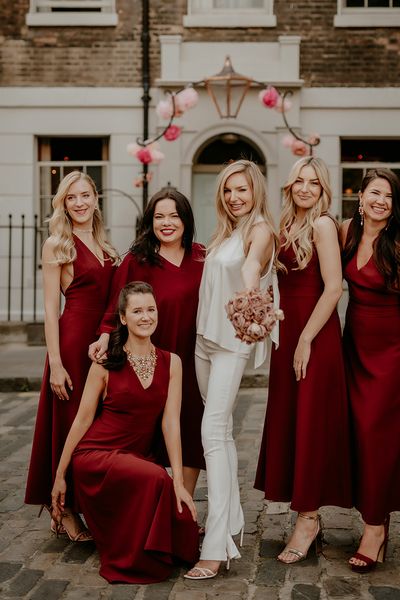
(172,434)
(327,245)
(52,273)
(123,275)
(258,254)
(96,383)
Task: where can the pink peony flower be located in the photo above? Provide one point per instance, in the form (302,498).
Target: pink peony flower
(172,133)
(165,109)
(288,140)
(299,148)
(186,99)
(144,155)
(133,149)
(283,105)
(269,97)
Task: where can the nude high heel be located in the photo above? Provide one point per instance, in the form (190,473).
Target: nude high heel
(317,541)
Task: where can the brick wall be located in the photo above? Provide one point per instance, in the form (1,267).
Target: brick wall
(111,56)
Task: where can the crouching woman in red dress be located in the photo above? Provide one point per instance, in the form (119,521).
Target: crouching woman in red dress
(142,521)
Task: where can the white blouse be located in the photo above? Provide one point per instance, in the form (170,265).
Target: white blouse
(221,279)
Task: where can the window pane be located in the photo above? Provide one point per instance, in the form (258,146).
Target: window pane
(227,4)
(72,148)
(379,3)
(350,186)
(371,150)
(354,3)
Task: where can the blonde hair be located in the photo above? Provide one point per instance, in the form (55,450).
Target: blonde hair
(226,222)
(302,239)
(60,223)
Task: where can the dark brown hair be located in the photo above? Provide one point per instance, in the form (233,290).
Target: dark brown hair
(116,356)
(146,245)
(386,246)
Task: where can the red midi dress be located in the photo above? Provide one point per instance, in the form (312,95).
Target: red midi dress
(127,499)
(85,301)
(305,455)
(372,358)
(176,291)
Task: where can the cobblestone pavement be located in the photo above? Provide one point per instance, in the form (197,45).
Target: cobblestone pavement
(36,566)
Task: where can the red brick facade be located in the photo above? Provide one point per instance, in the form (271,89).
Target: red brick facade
(111,56)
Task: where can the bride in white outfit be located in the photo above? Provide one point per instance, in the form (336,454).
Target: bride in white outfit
(241,256)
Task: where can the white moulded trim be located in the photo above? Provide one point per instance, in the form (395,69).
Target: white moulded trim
(71,19)
(230,20)
(366,17)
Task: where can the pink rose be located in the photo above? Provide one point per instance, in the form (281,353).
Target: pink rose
(240,302)
(259,314)
(269,97)
(238,320)
(172,133)
(299,148)
(144,155)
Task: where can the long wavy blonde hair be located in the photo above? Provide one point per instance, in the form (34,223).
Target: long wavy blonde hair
(60,223)
(302,239)
(226,222)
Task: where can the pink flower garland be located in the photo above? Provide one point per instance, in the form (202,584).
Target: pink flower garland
(253,315)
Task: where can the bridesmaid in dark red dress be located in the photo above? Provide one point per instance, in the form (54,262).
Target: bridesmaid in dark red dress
(142,520)
(305,456)
(372,351)
(77,261)
(164,256)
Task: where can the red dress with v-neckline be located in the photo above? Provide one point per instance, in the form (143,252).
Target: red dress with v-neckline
(85,301)
(128,499)
(176,289)
(372,358)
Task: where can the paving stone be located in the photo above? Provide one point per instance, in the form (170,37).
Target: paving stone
(384,593)
(158,591)
(49,589)
(123,592)
(336,587)
(339,537)
(266,593)
(82,593)
(24,582)
(190,595)
(302,591)
(79,552)
(271,572)
(8,570)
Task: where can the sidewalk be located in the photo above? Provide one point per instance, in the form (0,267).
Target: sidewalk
(35,565)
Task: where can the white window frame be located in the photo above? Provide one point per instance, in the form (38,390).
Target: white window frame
(365,16)
(226,18)
(41,15)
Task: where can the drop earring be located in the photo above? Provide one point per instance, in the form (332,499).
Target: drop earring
(361,213)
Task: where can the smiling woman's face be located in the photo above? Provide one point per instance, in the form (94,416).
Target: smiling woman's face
(238,195)
(376,200)
(167,224)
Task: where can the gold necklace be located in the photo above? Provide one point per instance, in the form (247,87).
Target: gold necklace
(82,230)
(143,366)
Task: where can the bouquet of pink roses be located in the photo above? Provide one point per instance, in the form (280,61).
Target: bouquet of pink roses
(253,315)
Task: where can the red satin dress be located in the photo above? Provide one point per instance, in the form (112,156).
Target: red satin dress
(372,356)
(176,291)
(305,455)
(85,301)
(127,499)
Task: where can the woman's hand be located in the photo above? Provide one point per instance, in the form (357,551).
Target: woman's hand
(58,498)
(301,358)
(183,496)
(98,349)
(58,378)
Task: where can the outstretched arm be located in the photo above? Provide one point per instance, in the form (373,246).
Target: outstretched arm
(95,385)
(172,434)
(327,245)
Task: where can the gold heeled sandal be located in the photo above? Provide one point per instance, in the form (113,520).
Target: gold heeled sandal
(317,540)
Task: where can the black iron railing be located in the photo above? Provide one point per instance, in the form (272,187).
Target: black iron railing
(20,255)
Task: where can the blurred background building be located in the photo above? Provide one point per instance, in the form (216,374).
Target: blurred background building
(71,96)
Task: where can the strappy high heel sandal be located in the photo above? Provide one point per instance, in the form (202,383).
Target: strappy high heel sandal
(55,527)
(317,541)
(370,563)
(83,534)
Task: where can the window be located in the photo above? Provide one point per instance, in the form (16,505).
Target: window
(72,13)
(230,13)
(368,13)
(58,156)
(357,157)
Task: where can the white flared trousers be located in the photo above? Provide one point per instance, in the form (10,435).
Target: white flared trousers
(219,373)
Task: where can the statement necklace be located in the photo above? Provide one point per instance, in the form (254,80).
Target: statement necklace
(143,365)
(82,230)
